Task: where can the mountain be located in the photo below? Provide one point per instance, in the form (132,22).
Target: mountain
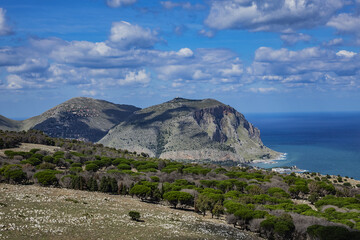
(9,124)
(183,129)
(79,118)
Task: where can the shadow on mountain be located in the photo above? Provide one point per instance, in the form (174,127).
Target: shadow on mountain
(70,128)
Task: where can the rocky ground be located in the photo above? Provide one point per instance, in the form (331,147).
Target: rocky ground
(33,212)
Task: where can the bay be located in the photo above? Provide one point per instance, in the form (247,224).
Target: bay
(328,143)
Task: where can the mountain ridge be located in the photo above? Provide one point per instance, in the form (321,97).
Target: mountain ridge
(179,129)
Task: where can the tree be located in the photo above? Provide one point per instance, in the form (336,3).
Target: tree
(176,197)
(140,191)
(135,216)
(217,210)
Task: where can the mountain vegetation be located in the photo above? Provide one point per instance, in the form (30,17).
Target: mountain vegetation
(273,205)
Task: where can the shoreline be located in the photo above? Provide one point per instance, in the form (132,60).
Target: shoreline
(281,157)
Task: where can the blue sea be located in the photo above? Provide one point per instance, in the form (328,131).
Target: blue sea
(328,143)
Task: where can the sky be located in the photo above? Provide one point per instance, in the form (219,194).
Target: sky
(255,55)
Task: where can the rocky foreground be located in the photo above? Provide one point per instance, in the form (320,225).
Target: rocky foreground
(33,212)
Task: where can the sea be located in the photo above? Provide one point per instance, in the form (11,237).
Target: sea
(328,143)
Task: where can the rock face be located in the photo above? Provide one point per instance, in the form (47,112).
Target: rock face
(79,118)
(183,129)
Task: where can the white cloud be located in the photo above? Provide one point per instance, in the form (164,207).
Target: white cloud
(307,67)
(184,5)
(346,23)
(140,77)
(4,28)
(276,15)
(185,52)
(334,42)
(263,90)
(30,65)
(89,92)
(344,53)
(292,38)
(205,33)
(126,35)
(119,3)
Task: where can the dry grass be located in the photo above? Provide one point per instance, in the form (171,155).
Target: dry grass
(32,212)
(26,147)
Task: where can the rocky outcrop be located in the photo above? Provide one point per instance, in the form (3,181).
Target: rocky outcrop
(183,129)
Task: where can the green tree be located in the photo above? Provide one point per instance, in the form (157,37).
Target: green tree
(140,191)
(176,197)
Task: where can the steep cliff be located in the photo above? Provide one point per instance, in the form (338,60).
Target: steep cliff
(183,129)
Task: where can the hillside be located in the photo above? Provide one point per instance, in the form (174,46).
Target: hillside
(9,124)
(176,200)
(184,129)
(99,216)
(78,118)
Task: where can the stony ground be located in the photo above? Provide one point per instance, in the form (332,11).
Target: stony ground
(33,212)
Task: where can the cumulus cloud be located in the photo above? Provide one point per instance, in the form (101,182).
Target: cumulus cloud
(293,38)
(119,3)
(126,35)
(346,23)
(307,66)
(276,15)
(4,28)
(185,52)
(140,77)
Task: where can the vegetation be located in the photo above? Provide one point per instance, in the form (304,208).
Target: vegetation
(135,216)
(257,200)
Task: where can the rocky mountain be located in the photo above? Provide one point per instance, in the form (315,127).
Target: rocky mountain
(79,118)
(184,129)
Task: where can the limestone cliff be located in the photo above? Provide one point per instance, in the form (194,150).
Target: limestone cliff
(183,129)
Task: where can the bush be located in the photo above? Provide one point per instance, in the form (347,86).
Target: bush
(123,166)
(47,177)
(46,165)
(92,167)
(331,233)
(140,191)
(135,216)
(13,173)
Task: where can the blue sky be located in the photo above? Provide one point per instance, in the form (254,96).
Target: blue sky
(257,56)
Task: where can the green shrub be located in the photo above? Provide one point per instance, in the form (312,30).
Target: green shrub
(49,159)
(331,233)
(123,166)
(92,167)
(47,177)
(135,216)
(13,173)
(76,169)
(77,164)
(46,165)
(155,179)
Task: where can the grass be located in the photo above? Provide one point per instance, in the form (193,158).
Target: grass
(33,212)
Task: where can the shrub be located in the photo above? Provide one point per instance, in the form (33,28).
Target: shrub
(92,167)
(155,179)
(13,173)
(49,159)
(47,177)
(331,233)
(123,166)
(46,165)
(135,216)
